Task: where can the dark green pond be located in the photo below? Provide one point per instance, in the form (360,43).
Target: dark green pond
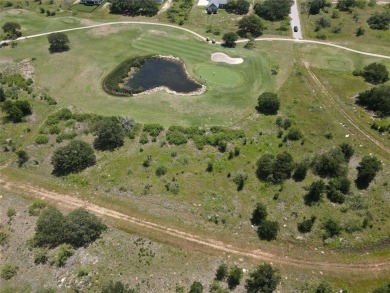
(156,72)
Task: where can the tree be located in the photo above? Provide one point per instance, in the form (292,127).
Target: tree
(316,189)
(240,178)
(12,30)
(116,287)
(379,21)
(268,230)
(230,39)
(376,99)
(268,103)
(367,170)
(22,157)
(196,287)
(345,5)
(331,228)
(234,278)
(59,42)
(265,167)
(315,6)
(274,10)
(300,172)
(242,6)
(75,157)
(264,279)
(15,111)
(306,225)
(134,7)
(49,228)
(259,214)
(283,167)
(2,95)
(82,228)
(251,24)
(347,151)
(330,164)
(222,272)
(109,134)
(375,73)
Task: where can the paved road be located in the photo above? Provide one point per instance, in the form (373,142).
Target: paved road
(295,21)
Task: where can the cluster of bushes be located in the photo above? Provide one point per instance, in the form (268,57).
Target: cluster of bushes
(266,229)
(179,11)
(153,129)
(233,275)
(12,30)
(374,73)
(116,77)
(16,82)
(17,110)
(215,136)
(273,10)
(275,169)
(238,6)
(134,8)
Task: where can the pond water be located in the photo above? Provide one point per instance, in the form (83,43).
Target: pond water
(156,72)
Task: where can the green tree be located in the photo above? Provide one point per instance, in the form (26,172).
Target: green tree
(222,272)
(49,228)
(15,111)
(376,73)
(82,228)
(379,21)
(315,6)
(283,167)
(251,24)
(300,172)
(331,228)
(117,287)
(347,151)
(268,230)
(265,167)
(234,277)
(230,39)
(330,164)
(22,157)
(109,134)
(316,189)
(376,99)
(196,287)
(367,170)
(134,7)
(306,225)
(345,5)
(59,42)
(268,103)
(264,279)
(72,158)
(12,30)
(274,10)
(242,7)
(259,214)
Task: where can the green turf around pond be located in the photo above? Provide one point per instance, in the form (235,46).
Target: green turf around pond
(218,75)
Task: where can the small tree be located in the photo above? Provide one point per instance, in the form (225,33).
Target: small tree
(379,21)
(283,167)
(8,271)
(59,42)
(75,157)
(234,278)
(259,214)
(306,225)
(265,167)
(240,178)
(49,228)
(250,24)
(347,151)
(316,189)
(268,230)
(367,170)
(375,73)
(264,279)
(12,30)
(22,157)
(331,228)
(109,134)
(230,39)
(268,103)
(273,10)
(117,287)
(300,172)
(196,287)
(222,272)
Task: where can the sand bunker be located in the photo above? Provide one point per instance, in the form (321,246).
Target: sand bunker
(221,57)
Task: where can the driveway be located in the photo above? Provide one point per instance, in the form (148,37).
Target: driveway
(295,21)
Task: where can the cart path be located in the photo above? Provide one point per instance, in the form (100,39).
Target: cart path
(198,36)
(258,254)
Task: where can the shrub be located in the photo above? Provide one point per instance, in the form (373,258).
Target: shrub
(65,251)
(347,151)
(294,134)
(324,288)
(153,129)
(234,277)
(331,228)
(265,167)
(11,212)
(379,21)
(300,172)
(42,139)
(109,134)
(367,170)
(66,136)
(264,279)
(222,272)
(176,137)
(54,129)
(330,164)
(210,167)
(268,230)
(40,255)
(196,287)
(375,73)
(385,288)
(3,237)
(259,214)
(143,139)
(172,187)
(22,157)
(161,171)
(268,103)
(316,189)
(116,287)
(36,207)
(49,228)
(240,178)
(8,271)
(306,225)
(75,157)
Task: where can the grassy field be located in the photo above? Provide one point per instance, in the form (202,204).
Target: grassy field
(208,203)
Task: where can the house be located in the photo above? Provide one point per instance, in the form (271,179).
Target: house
(217,4)
(91,2)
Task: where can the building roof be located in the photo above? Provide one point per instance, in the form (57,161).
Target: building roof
(216,3)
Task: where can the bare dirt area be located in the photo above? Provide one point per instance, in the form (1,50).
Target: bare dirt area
(222,57)
(195,241)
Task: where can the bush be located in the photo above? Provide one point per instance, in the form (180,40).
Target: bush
(379,21)
(234,277)
(153,129)
(11,212)
(259,214)
(375,73)
(294,134)
(116,287)
(172,187)
(109,134)
(143,139)
(22,157)
(331,228)
(330,164)
(268,103)
(274,169)
(265,167)
(316,189)
(8,271)
(300,172)
(40,255)
(335,196)
(222,272)
(161,171)
(65,251)
(75,157)
(367,170)
(324,288)
(347,151)
(49,228)
(54,129)
(42,139)
(176,137)
(385,288)
(264,279)
(134,8)
(268,230)
(196,287)
(306,225)
(377,100)
(36,207)
(240,178)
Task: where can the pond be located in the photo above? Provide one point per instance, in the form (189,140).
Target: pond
(162,72)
